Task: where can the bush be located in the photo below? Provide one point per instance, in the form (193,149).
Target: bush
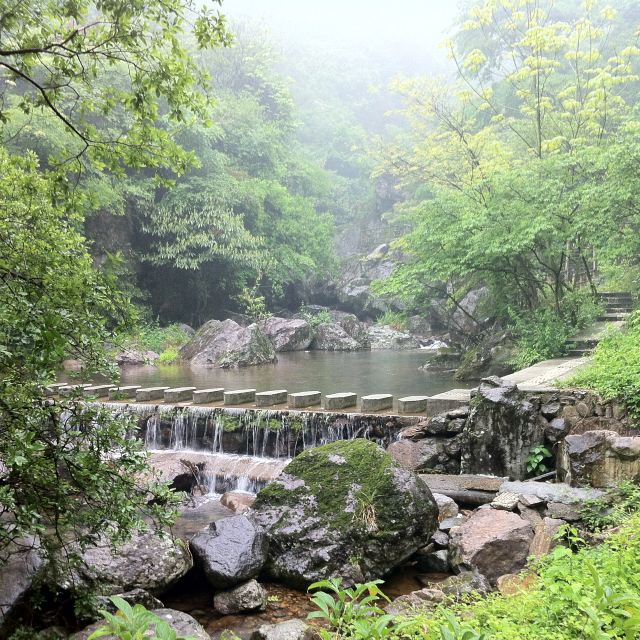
(393,319)
(151,337)
(615,369)
(169,356)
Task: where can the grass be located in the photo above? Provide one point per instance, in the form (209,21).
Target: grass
(615,369)
(165,341)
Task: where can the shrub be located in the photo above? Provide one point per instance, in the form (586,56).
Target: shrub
(393,319)
(169,356)
(151,337)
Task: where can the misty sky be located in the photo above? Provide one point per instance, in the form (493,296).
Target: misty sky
(411,30)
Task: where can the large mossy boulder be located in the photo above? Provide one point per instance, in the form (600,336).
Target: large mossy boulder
(227,344)
(345,509)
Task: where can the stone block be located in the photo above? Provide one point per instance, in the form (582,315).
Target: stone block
(304,399)
(239,396)
(179,394)
(271,398)
(150,393)
(339,401)
(412,404)
(71,389)
(208,396)
(97,391)
(123,393)
(448,401)
(54,389)
(376,402)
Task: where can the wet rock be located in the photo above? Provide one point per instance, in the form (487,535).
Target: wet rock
(133,597)
(427,454)
(465,583)
(17,575)
(227,344)
(345,510)
(130,357)
(246,597)
(599,458)
(288,334)
(238,501)
(544,538)
(447,507)
(332,337)
(386,337)
(434,562)
(148,561)
(421,600)
(495,542)
(500,431)
(288,630)
(230,551)
(182,623)
(508,501)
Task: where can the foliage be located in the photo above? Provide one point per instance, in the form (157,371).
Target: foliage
(170,355)
(590,594)
(151,337)
(252,304)
(537,460)
(316,318)
(135,623)
(539,335)
(394,319)
(616,507)
(614,371)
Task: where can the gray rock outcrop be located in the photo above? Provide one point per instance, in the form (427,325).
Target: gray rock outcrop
(288,334)
(495,542)
(246,597)
(344,509)
(386,337)
(230,551)
(227,344)
(288,630)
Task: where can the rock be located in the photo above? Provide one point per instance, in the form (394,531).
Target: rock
(133,357)
(450,523)
(532,516)
(550,409)
(434,562)
(500,431)
(227,344)
(230,551)
(599,458)
(287,334)
(148,561)
(346,510)
(548,492)
(495,542)
(188,329)
(419,326)
(238,501)
(386,337)
(568,512)
(133,597)
(465,583)
(440,538)
(471,305)
(543,540)
(332,337)
(416,601)
(249,596)
(557,429)
(447,507)
(511,584)
(427,454)
(507,501)
(182,623)
(288,630)
(17,575)
(529,500)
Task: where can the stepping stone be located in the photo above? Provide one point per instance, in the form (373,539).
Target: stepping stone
(54,389)
(271,398)
(70,389)
(240,396)
(123,393)
(98,391)
(179,394)
(376,402)
(337,401)
(447,401)
(412,404)
(304,399)
(208,396)
(150,393)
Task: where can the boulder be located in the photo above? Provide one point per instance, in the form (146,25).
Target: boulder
(431,454)
(288,630)
(434,562)
(471,310)
(501,430)
(416,601)
(19,569)
(495,542)
(246,597)
(148,561)
(544,538)
(130,357)
(388,338)
(238,501)
(182,623)
(465,583)
(447,507)
(346,510)
(332,337)
(230,551)
(227,344)
(133,597)
(287,334)
(599,458)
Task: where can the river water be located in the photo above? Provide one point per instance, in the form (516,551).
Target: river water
(361,372)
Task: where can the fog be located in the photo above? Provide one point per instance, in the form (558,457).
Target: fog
(408,33)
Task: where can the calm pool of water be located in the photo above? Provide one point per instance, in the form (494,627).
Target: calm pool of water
(362,372)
